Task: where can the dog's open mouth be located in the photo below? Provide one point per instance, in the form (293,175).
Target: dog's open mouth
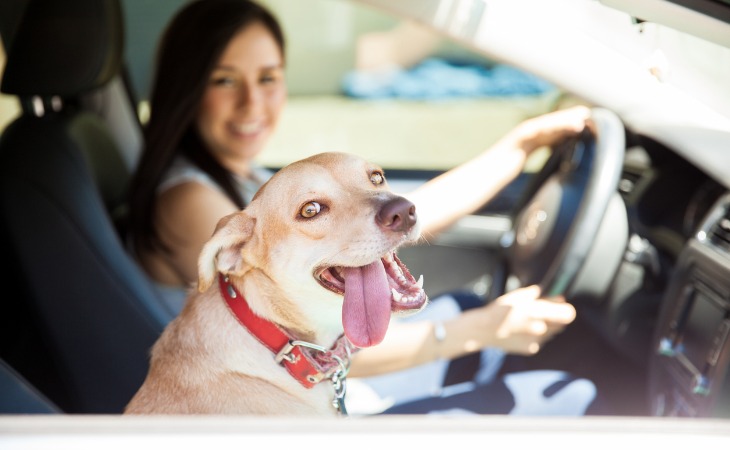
(371,293)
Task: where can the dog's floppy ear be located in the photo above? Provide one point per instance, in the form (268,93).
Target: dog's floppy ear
(222,253)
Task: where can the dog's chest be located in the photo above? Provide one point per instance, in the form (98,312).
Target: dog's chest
(254,366)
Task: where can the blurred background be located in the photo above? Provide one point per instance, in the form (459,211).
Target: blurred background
(364,82)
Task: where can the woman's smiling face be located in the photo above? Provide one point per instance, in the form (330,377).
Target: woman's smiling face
(244,98)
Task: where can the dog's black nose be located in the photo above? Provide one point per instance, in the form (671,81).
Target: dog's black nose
(397,214)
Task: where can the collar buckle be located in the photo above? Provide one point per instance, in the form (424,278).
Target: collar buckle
(337,376)
(286,352)
(286,355)
(308,363)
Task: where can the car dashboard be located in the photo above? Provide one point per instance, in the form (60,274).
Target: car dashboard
(689,368)
(679,220)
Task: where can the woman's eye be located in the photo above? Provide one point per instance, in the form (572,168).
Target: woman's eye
(222,81)
(310,209)
(268,79)
(377,178)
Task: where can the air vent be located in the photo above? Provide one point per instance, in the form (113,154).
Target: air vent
(715,229)
(719,233)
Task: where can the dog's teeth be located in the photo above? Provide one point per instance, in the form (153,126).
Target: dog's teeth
(419,283)
(397,296)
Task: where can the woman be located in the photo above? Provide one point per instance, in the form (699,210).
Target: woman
(218,93)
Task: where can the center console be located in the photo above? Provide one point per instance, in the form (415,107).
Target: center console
(691,353)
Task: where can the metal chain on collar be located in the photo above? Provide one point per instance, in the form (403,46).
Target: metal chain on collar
(325,365)
(338,377)
(339,384)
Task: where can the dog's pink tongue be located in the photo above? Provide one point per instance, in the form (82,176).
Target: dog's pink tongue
(366,308)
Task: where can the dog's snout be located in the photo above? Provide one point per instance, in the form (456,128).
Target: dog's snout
(397,214)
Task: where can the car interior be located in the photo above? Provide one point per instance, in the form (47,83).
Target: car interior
(63,179)
(647,269)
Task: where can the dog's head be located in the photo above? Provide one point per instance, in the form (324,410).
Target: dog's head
(323,233)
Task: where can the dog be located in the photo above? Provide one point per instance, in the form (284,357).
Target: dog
(288,288)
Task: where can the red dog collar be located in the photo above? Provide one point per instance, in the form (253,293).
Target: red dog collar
(307,363)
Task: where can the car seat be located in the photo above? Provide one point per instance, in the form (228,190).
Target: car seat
(19,396)
(61,173)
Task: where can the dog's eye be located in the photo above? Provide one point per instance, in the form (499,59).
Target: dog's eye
(310,209)
(377,178)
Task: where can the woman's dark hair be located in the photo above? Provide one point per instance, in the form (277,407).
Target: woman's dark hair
(190,47)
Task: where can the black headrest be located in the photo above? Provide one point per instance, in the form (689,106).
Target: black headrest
(64,48)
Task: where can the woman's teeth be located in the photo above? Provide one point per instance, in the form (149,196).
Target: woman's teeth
(248,128)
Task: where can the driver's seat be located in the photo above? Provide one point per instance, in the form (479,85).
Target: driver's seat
(60,174)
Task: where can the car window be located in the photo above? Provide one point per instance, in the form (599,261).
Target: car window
(444,105)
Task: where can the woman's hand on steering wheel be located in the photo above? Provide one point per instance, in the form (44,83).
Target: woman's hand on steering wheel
(562,211)
(519,322)
(550,129)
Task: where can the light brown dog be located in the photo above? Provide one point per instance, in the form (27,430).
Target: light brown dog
(312,257)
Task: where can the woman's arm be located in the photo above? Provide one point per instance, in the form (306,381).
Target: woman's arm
(464,189)
(518,322)
(186,217)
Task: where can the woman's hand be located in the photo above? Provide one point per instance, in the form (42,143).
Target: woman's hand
(464,189)
(549,129)
(518,322)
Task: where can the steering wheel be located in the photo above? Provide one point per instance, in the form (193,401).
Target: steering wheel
(561,211)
